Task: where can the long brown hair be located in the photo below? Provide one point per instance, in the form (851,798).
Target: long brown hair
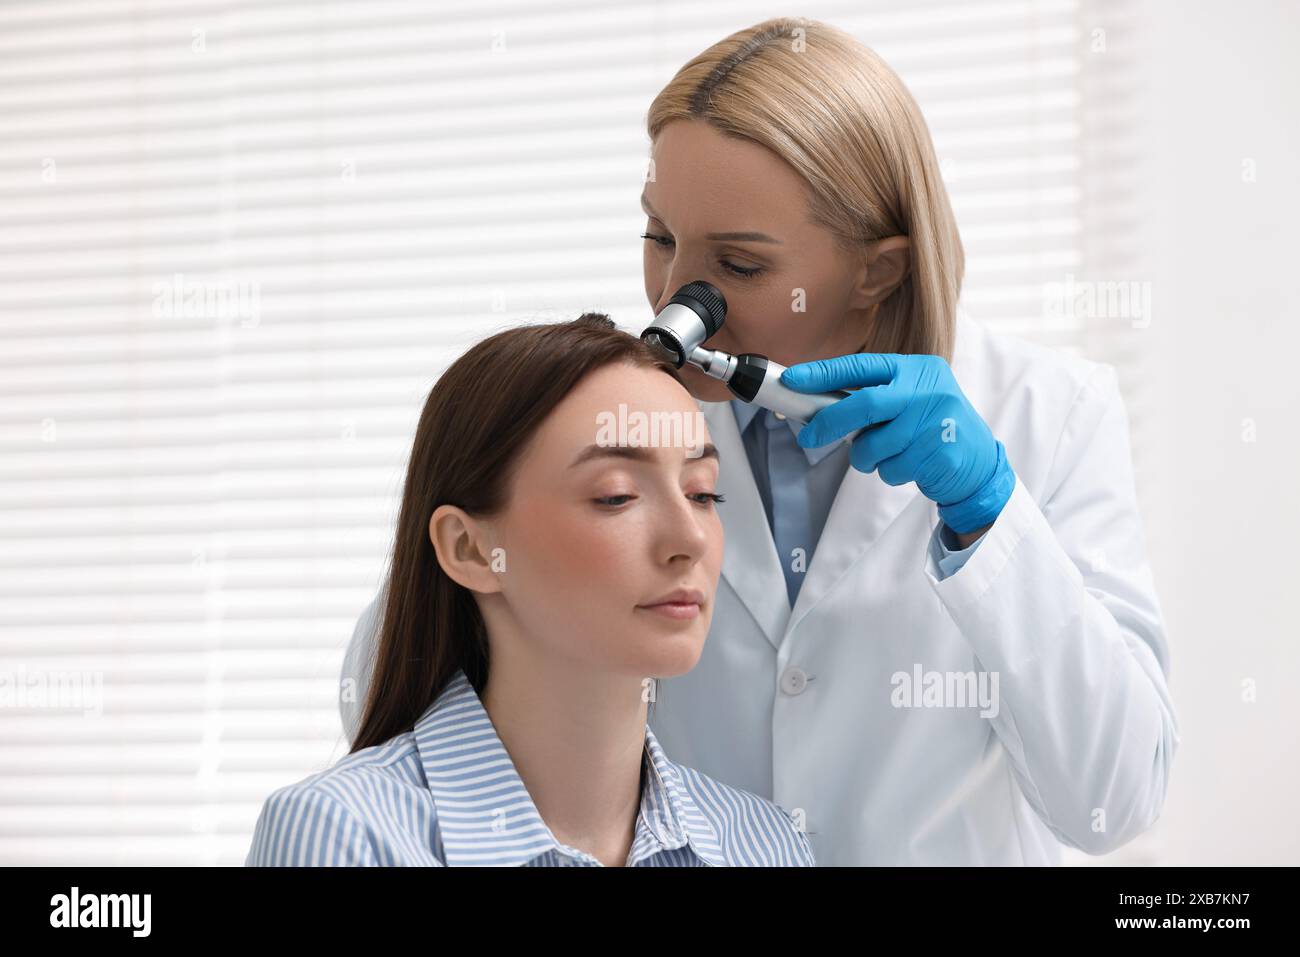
(833,109)
(476,421)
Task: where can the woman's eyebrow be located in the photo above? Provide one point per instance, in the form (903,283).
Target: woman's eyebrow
(639,453)
(744,238)
(721,237)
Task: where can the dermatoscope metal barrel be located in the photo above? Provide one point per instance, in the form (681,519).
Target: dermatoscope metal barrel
(698,310)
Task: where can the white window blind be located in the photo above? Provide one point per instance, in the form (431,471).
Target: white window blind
(238,243)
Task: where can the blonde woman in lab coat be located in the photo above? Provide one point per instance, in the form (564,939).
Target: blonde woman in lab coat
(939,643)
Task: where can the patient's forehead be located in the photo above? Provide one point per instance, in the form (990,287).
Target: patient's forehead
(604,409)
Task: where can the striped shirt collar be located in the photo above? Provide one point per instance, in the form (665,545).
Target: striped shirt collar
(486,815)
(746,412)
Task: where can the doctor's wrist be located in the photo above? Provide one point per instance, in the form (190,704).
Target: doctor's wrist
(974,515)
(967,539)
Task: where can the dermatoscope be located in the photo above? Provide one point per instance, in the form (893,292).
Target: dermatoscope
(696,312)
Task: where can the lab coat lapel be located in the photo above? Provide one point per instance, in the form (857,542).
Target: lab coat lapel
(864,507)
(749,561)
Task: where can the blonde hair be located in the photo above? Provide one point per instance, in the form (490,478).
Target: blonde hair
(836,112)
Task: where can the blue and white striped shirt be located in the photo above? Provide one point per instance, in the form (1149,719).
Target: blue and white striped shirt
(447,793)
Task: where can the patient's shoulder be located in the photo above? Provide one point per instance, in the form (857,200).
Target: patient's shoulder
(356,779)
(752,830)
(369,807)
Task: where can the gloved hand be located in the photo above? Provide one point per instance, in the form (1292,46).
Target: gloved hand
(931,435)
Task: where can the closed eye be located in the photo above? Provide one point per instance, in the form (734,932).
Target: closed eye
(700,498)
(741,272)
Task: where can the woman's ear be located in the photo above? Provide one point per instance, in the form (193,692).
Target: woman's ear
(885,264)
(464,549)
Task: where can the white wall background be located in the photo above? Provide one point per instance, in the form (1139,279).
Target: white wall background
(1222,99)
(194,509)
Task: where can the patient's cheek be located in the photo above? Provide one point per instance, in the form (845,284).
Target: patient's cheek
(591,550)
(576,546)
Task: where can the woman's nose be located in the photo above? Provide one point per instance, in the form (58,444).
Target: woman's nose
(685,533)
(679,274)
(667,293)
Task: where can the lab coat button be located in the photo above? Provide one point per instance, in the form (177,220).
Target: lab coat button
(779,416)
(794,680)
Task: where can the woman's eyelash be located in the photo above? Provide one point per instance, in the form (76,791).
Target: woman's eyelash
(609,499)
(738,271)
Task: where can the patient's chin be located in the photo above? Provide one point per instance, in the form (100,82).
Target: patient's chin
(667,656)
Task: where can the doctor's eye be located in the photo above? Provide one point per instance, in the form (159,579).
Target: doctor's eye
(740,272)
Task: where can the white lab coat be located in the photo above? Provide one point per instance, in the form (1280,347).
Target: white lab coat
(802,706)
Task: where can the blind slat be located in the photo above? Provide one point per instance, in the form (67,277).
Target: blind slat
(195,507)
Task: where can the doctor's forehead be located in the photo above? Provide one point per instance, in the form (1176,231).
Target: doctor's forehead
(700,172)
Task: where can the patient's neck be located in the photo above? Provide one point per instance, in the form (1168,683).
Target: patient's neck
(577,737)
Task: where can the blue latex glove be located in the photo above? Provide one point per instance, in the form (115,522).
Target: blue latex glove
(931,435)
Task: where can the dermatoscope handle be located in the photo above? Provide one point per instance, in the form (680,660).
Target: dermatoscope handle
(693,315)
(758,379)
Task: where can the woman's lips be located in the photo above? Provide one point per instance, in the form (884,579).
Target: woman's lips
(680,610)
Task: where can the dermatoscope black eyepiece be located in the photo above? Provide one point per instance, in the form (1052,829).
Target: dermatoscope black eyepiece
(707,302)
(693,314)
